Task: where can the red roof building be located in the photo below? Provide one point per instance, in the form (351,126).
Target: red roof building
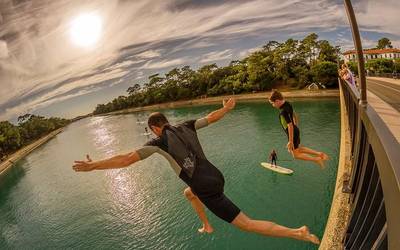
(351,55)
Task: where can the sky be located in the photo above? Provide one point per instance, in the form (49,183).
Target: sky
(49,67)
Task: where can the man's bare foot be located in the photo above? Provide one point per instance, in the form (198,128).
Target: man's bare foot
(324,156)
(206,229)
(320,162)
(304,234)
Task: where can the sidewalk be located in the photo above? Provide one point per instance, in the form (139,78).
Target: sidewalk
(388,114)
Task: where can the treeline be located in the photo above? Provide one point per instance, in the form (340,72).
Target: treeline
(30,128)
(294,63)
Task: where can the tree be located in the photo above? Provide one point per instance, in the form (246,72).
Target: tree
(260,68)
(23,118)
(134,89)
(380,65)
(325,73)
(396,65)
(353,66)
(384,43)
(327,52)
(271,45)
(308,47)
(10,137)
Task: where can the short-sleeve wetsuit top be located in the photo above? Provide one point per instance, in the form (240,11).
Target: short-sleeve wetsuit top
(180,145)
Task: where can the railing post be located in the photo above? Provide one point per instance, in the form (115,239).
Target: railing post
(357,44)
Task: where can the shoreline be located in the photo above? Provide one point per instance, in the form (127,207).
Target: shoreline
(21,153)
(332,93)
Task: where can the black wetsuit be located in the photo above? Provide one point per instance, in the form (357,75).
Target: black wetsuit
(273,158)
(286,117)
(181,144)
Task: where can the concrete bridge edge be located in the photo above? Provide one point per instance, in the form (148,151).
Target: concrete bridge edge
(340,209)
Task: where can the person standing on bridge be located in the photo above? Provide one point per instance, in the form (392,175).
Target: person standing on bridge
(180,145)
(346,74)
(289,124)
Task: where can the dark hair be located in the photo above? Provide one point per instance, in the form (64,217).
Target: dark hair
(157,119)
(275,95)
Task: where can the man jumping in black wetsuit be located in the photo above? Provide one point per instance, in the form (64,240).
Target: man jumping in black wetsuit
(179,144)
(289,124)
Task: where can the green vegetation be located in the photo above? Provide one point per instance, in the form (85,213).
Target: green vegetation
(377,66)
(384,43)
(294,63)
(30,128)
(380,65)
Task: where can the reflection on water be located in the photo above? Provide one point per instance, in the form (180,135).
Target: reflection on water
(102,134)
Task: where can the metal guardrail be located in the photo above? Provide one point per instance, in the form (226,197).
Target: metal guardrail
(375,179)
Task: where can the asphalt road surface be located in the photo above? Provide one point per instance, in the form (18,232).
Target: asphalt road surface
(389,92)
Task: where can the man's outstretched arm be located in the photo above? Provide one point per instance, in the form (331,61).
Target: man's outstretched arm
(119,161)
(218,114)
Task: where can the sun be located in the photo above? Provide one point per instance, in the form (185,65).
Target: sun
(85,29)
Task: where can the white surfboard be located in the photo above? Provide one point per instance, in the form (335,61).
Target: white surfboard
(146,134)
(278,169)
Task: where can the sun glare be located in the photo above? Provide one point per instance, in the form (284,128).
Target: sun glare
(85,30)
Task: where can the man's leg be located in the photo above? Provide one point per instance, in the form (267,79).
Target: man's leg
(313,152)
(272,229)
(199,208)
(297,154)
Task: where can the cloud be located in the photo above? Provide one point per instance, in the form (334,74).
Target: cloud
(163,64)
(246,52)
(139,75)
(124,64)
(149,54)
(3,49)
(67,91)
(380,16)
(217,56)
(201,44)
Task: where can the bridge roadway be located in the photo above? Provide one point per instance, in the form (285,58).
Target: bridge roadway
(386,89)
(384,96)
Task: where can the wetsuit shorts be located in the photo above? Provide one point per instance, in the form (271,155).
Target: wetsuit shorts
(208,184)
(221,206)
(296,136)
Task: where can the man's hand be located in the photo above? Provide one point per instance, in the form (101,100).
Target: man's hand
(218,114)
(290,147)
(229,104)
(84,165)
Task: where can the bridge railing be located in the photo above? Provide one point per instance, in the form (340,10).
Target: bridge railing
(375,178)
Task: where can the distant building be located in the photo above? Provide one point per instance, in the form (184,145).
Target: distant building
(351,55)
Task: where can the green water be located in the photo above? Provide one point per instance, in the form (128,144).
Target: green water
(46,205)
